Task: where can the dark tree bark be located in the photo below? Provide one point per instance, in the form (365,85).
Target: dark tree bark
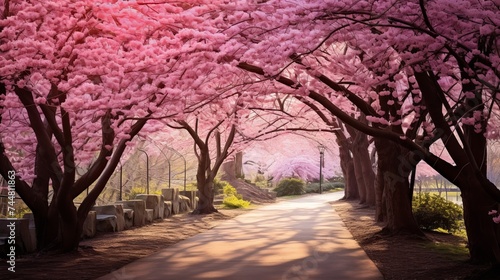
(469,173)
(205,181)
(365,176)
(238,165)
(206,172)
(59,224)
(347,165)
(395,209)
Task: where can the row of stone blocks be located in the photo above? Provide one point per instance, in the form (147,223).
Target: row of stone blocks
(109,218)
(138,212)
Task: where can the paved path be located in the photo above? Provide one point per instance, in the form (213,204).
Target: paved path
(302,238)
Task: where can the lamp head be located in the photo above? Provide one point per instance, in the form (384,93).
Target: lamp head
(321,148)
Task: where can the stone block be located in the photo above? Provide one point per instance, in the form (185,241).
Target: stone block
(128,214)
(32,227)
(106,223)
(152,202)
(218,201)
(120,217)
(192,198)
(184,204)
(170,194)
(139,208)
(114,210)
(175,207)
(149,216)
(167,209)
(90,225)
(161,207)
(21,231)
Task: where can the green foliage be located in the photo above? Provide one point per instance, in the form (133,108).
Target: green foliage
(19,210)
(290,186)
(220,185)
(229,190)
(192,186)
(23,210)
(232,199)
(327,186)
(261,181)
(433,212)
(133,192)
(235,202)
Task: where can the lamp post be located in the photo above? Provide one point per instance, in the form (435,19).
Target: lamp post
(147,171)
(185,169)
(121,181)
(184,159)
(321,149)
(169,166)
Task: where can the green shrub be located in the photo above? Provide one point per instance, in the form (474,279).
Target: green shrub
(229,190)
(327,186)
(232,199)
(433,212)
(290,186)
(219,186)
(133,192)
(261,181)
(235,202)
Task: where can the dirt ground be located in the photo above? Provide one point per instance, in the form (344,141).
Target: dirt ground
(401,257)
(109,251)
(408,257)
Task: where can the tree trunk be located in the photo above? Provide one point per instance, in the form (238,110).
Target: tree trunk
(206,202)
(380,207)
(482,232)
(360,182)
(351,188)
(347,166)
(396,197)
(70,237)
(205,182)
(238,165)
(365,176)
(365,173)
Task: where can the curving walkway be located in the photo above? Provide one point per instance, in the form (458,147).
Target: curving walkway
(302,238)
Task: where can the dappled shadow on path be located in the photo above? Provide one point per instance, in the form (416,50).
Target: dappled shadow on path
(299,239)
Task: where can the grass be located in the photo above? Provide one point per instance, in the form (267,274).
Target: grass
(452,196)
(451,251)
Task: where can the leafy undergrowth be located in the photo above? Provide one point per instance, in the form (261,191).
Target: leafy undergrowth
(232,199)
(235,202)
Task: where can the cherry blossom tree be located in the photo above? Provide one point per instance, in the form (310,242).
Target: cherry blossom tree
(207,137)
(79,79)
(420,71)
(83,78)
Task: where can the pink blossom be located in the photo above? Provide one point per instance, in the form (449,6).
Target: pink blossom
(496,219)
